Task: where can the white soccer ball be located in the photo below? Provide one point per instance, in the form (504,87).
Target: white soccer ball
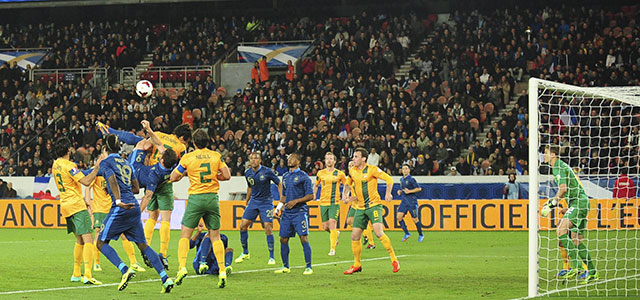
(144,88)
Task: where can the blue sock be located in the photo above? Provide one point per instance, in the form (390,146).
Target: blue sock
(419,226)
(157,264)
(404,227)
(284,254)
(270,245)
(228,258)
(113,257)
(204,250)
(126,137)
(244,240)
(306,247)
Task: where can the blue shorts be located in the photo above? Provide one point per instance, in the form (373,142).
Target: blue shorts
(264,208)
(120,221)
(292,223)
(409,206)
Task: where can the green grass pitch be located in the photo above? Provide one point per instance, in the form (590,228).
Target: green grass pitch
(447,265)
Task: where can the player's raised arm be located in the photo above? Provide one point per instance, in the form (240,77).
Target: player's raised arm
(152,135)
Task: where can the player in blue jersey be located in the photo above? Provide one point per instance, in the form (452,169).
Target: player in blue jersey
(259,201)
(205,262)
(297,191)
(409,203)
(124,216)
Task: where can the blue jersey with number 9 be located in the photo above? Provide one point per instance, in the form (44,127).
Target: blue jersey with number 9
(115,165)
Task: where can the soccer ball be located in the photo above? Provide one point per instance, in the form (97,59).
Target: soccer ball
(144,88)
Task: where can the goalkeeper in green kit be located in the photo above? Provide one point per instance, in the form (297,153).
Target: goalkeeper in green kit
(574,222)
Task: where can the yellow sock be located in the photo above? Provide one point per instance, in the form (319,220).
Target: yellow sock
(386,242)
(356,248)
(96,253)
(77,260)
(218,251)
(128,248)
(87,256)
(183,251)
(369,235)
(565,258)
(165,235)
(149,227)
(333,237)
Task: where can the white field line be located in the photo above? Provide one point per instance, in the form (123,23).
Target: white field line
(31,241)
(195,276)
(578,287)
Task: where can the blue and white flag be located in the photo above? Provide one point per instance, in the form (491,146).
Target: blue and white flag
(277,55)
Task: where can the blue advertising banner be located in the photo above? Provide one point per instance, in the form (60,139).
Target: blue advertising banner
(23,58)
(277,55)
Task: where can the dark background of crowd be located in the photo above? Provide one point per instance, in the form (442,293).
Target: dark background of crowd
(422,120)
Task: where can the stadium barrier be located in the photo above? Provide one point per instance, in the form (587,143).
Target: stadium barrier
(435,215)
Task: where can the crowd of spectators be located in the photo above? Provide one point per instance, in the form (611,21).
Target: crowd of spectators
(346,94)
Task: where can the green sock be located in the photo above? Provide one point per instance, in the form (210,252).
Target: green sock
(572,250)
(586,257)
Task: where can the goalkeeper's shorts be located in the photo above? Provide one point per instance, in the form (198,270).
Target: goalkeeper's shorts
(578,217)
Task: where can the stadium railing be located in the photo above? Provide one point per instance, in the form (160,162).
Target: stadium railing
(96,77)
(176,76)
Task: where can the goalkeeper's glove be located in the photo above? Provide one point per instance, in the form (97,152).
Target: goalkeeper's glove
(547,207)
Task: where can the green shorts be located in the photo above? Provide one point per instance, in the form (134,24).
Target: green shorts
(202,206)
(351,213)
(79,223)
(362,217)
(98,219)
(578,217)
(330,212)
(162,198)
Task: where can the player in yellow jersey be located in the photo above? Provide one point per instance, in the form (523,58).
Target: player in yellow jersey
(101,204)
(367,236)
(368,205)
(73,207)
(330,179)
(205,169)
(161,203)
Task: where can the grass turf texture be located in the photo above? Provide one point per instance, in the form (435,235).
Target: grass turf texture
(447,265)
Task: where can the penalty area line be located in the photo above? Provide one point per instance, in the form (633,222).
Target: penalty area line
(194,276)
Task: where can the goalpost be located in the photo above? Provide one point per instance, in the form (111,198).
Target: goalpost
(596,129)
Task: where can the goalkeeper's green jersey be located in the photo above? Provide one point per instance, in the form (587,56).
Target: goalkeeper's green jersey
(575,195)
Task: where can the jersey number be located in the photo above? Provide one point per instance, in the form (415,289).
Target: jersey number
(376,214)
(207,173)
(155,153)
(60,182)
(125,171)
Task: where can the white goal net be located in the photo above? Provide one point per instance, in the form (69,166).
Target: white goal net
(596,134)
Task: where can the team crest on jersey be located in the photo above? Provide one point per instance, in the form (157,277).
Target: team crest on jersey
(295,179)
(261,177)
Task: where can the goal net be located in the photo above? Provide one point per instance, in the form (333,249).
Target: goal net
(596,133)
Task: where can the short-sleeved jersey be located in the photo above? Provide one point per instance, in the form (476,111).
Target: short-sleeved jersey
(365,185)
(150,177)
(202,167)
(170,141)
(67,177)
(563,174)
(295,185)
(260,183)
(115,165)
(101,198)
(329,182)
(409,183)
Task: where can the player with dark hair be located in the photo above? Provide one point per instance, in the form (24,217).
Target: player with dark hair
(205,261)
(161,202)
(259,201)
(124,216)
(409,202)
(73,207)
(297,191)
(205,169)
